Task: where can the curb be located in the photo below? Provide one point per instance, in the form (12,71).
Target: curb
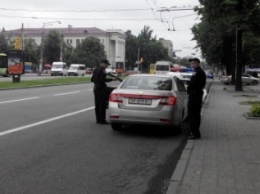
(180,169)
(177,176)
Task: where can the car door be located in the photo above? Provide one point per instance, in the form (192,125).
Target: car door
(246,79)
(182,95)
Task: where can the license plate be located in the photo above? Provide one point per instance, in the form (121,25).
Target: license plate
(139,101)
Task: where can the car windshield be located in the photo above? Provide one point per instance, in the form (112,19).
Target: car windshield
(57,66)
(162,67)
(147,83)
(73,68)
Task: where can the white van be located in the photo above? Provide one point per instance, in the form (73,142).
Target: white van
(163,67)
(59,68)
(77,69)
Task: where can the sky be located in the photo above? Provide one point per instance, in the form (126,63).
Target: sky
(130,15)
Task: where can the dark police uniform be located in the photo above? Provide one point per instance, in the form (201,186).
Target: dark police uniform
(195,92)
(100,93)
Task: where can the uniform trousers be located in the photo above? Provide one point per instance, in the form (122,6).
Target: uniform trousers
(100,104)
(194,113)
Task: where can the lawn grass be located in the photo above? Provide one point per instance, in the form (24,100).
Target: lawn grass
(43,82)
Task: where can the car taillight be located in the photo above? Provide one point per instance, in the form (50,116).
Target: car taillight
(169,100)
(115,98)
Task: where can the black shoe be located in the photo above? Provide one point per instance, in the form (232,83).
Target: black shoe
(193,137)
(104,123)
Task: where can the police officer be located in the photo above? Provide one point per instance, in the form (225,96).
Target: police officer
(195,92)
(100,91)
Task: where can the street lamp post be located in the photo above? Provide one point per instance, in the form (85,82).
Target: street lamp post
(42,44)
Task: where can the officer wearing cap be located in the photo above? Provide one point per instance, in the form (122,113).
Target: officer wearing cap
(100,91)
(195,92)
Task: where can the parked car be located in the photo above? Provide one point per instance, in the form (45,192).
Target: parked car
(246,79)
(89,70)
(59,68)
(77,69)
(210,75)
(148,99)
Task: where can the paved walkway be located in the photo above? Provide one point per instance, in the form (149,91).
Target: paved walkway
(226,160)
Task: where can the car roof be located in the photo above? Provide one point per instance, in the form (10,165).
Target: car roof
(150,75)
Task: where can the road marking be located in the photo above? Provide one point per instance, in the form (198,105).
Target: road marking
(44,121)
(66,93)
(23,99)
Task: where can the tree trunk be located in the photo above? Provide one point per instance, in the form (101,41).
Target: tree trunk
(238,86)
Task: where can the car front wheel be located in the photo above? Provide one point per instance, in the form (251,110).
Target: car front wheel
(254,82)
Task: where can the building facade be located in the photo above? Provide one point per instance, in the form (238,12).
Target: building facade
(113,40)
(168,45)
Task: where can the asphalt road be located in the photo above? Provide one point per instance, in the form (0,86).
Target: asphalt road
(50,143)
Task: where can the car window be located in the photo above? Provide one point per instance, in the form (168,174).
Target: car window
(147,83)
(73,67)
(245,75)
(180,85)
(162,67)
(57,66)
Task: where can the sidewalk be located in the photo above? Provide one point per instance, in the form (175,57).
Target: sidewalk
(226,160)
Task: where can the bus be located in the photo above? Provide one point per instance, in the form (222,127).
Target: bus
(15,62)
(163,67)
(3,65)
(152,68)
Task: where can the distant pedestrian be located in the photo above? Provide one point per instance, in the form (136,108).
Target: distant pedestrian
(195,92)
(100,91)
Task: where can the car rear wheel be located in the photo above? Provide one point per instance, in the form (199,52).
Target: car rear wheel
(116,126)
(254,82)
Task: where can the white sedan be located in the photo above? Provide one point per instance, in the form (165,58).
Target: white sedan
(246,79)
(148,99)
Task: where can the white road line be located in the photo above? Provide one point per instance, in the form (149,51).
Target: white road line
(66,93)
(23,99)
(44,121)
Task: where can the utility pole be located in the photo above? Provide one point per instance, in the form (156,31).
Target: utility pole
(42,45)
(61,40)
(22,37)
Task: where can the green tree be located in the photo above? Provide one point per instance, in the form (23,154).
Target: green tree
(150,49)
(222,33)
(32,52)
(51,47)
(90,52)
(131,49)
(3,43)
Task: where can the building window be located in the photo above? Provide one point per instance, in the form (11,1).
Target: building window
(77,42)
(69,41)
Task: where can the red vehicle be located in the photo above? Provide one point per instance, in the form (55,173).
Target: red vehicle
(89,70)
(120,68)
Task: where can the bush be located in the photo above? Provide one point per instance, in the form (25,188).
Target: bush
(255,110)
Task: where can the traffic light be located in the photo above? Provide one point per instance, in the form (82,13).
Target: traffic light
(17,42)
(141,60)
